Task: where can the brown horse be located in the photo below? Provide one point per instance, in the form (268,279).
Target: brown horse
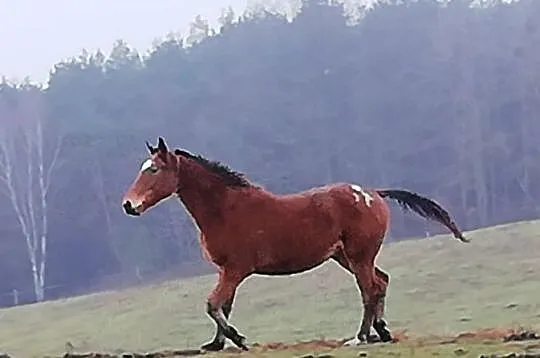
(247,230)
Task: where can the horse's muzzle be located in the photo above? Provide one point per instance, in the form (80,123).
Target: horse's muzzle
(130,209)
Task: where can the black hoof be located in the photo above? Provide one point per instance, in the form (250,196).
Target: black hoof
(382,331)
(214,346)
(386,336)
(236,338)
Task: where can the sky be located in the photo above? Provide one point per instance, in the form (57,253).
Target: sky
(36,34)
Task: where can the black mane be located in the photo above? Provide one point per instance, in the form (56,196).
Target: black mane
(230,177)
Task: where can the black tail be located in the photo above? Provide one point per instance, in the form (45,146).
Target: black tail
(424,207)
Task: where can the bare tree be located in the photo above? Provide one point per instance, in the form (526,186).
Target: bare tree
(26,173)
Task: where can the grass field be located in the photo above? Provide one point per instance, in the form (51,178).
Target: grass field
(438,288)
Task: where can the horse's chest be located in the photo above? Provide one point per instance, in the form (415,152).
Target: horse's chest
(214,251)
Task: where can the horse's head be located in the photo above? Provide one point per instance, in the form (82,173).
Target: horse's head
(157,180)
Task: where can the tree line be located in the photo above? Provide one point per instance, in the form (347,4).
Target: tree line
(437,97)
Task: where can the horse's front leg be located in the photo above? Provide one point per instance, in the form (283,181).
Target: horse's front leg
(222,294)
(218,343)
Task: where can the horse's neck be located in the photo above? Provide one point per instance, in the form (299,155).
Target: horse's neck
(203,201)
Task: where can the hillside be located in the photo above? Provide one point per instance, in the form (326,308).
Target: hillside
(438,286)
(266,97)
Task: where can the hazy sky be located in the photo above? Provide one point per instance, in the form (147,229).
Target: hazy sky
(36,34)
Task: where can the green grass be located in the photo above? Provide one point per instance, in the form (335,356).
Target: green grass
(438,287)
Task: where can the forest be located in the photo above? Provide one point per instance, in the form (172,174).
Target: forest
(442,98)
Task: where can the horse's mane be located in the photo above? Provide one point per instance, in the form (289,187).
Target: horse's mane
(229,176)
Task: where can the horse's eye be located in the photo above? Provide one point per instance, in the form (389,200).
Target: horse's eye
(153,169)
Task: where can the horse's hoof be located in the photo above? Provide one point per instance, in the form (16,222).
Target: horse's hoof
(237,338)
(386,336)
(240,342)
(214,346)
(383,333)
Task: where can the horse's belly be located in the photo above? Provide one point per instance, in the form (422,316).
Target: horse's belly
(282,270)
(296,258)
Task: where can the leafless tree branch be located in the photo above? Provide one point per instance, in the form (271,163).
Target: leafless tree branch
(53,164)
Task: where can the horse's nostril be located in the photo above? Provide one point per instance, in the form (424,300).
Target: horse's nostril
(129,209)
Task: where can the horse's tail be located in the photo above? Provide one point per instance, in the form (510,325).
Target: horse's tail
(424,207)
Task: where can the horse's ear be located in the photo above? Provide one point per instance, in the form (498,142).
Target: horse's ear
(151,149)
(162,147)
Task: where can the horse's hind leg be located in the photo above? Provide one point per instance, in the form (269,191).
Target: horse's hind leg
(379,324)
(220,296)
(372,283)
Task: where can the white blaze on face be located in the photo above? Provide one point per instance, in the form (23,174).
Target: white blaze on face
(357,191)
(146,165)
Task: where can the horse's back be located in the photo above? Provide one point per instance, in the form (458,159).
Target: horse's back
(346,197)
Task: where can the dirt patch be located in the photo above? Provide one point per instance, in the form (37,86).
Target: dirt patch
(164,354)
(316,344)
(486,334)
(482,335)
(494,334)
(521,336)
(312,345)
(512,355)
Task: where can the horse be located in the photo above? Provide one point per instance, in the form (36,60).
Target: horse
(245,230)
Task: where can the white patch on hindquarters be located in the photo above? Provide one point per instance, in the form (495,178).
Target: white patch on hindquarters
(146,165)
(368,199)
